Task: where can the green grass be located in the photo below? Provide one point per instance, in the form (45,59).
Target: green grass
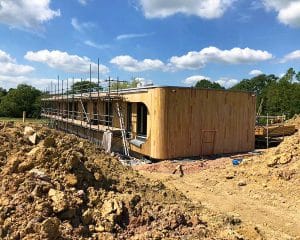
(28,120)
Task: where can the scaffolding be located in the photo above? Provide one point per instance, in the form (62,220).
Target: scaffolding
(272,129)
(60,105)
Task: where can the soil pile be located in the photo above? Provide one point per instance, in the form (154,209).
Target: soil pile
(58,186)
(295,121)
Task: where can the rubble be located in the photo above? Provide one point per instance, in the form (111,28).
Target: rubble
(66,188)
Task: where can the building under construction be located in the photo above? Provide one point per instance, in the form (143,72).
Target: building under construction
(157,122)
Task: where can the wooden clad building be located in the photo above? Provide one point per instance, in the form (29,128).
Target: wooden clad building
(164,122)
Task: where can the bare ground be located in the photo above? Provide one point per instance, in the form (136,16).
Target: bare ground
(263,191)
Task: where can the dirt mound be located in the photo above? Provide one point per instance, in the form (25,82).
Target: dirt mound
(295,121)
(62,187)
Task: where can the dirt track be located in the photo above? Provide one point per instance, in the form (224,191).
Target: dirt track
(263,191)
(273,212)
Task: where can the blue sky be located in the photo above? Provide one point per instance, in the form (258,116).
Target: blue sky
(175,42)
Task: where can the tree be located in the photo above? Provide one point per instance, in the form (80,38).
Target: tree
(298,77)
(23,98)
(84,86)
(259,85)
(3,92)
(124,85)
(289,76)
(204,83)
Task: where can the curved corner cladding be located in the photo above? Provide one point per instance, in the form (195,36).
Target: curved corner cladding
(147,110)
(185,122)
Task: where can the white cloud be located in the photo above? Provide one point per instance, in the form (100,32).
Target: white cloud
(81,26)
(12,81)
(26,14)
(130,64)
(64,61)
(295,55)
(96,45)
(207,9)
(83,2)
(9,66)
(227,82)
(224,81)
(288,11)
(142,82)
(255,72)
(196,60)
(192,80)
(132,35)
(5,57)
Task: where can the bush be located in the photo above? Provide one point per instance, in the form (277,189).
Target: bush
(23,98)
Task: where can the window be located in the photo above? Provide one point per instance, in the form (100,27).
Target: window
(108,113)
(95,114)
(129,119)
(75,110)
(142,120)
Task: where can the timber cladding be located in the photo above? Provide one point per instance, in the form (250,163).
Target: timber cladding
(173,122)
(194,122)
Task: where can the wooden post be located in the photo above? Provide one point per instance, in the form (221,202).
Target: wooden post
(24,116)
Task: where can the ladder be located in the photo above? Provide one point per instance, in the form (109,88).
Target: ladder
(123,132)
(84,112)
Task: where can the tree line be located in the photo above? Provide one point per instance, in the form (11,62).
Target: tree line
(275,95)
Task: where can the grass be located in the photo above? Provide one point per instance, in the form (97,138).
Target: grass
(28,120)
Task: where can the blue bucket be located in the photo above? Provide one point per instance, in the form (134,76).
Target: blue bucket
(236,161)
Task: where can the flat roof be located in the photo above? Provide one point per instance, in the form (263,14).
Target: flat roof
(136,90)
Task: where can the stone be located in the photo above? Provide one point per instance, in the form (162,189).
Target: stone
(50,228)
(25,166)
(39,174)
(73,161)
(98,176)
(242,183)
(233,220)
(28,131)
(71,180)
(58,198)
(273,161)
(285,158)
(87,217)
(33,151)
(33,138)
(104,227)
(49,142)
(112,206)
(230,176)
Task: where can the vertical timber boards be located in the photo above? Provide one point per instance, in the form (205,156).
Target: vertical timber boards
(193,113)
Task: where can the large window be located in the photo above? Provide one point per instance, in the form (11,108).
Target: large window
(142,120)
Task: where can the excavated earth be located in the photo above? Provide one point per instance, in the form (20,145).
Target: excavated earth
(263,190)
(57,186)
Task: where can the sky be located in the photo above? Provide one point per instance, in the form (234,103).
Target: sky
(166,42)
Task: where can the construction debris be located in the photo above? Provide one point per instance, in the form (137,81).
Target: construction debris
(179,169)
